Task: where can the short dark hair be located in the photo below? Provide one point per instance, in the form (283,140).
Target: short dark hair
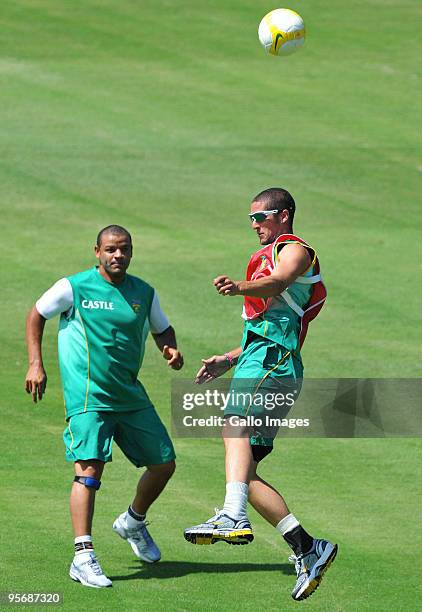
(113,229)
(277,198)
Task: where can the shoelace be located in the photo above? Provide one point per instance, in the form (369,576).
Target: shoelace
(146,534)
(141,533)
(216,515)
(297,560)
(95,566)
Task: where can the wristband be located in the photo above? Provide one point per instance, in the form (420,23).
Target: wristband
(229,359)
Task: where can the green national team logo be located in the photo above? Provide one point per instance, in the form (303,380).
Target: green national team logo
(136,305)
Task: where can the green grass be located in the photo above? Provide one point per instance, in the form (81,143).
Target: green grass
(167,118)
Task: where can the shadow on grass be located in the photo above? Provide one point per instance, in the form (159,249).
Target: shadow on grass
(177,569)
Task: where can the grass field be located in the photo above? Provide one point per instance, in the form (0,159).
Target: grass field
(167,118)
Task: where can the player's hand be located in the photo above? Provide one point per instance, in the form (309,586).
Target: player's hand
(174,357)
(211,368)
(226,286)
(36,382)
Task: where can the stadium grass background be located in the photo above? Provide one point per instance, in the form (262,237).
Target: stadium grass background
(168,119)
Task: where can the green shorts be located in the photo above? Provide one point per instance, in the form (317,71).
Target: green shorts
(139,434)
(264,387)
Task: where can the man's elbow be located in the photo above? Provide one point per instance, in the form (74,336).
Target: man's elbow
(34,315)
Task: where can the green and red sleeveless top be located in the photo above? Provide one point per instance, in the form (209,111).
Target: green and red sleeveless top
(285,318)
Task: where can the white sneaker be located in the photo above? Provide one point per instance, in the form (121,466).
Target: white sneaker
(139,538)
(220,528)
(86,569)
(311,567)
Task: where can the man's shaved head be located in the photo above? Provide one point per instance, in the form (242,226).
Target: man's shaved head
(116,230)
(277,198)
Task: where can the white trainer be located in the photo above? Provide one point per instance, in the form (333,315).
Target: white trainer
(221,528)
(311,567)
(139,538)
(86,570)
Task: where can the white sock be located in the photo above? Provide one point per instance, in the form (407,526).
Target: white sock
(81,551)
(286,524)
(131,522)
(236,499)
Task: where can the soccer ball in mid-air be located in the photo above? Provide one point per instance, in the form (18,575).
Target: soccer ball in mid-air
(281,32)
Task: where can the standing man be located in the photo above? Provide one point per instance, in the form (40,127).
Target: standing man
(283,292)
(105,316)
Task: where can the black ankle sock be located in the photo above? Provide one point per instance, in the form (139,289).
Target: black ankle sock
(135,515)
(299,540)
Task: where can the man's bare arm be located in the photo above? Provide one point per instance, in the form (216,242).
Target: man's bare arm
(294,260)
(217,365)
(167,345)
(36,378)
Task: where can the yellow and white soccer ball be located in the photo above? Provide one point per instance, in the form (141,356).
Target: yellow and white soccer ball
(282,32)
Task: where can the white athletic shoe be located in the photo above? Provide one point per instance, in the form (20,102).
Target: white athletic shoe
(88,572)
(220,528)
(139,538)
(311,567)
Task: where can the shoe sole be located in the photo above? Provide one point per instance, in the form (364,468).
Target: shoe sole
(88,584)
(315,582)
(116,530)
(237,536)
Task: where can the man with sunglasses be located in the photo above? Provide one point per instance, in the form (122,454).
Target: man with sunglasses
(105,316)
(282,292)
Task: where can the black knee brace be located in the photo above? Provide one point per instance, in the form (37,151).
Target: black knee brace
(88,481)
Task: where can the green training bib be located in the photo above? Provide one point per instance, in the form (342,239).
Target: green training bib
(101,343)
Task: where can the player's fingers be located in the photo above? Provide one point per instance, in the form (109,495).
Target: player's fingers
(176,361)
(224,289)
(222,284)
(202,373)
(41,386)
(209,360)
(208,364)
(203,379)
(219,279)
(34,392)
(173,361)
(166,352)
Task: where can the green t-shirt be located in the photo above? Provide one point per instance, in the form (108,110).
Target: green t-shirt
(102,343)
